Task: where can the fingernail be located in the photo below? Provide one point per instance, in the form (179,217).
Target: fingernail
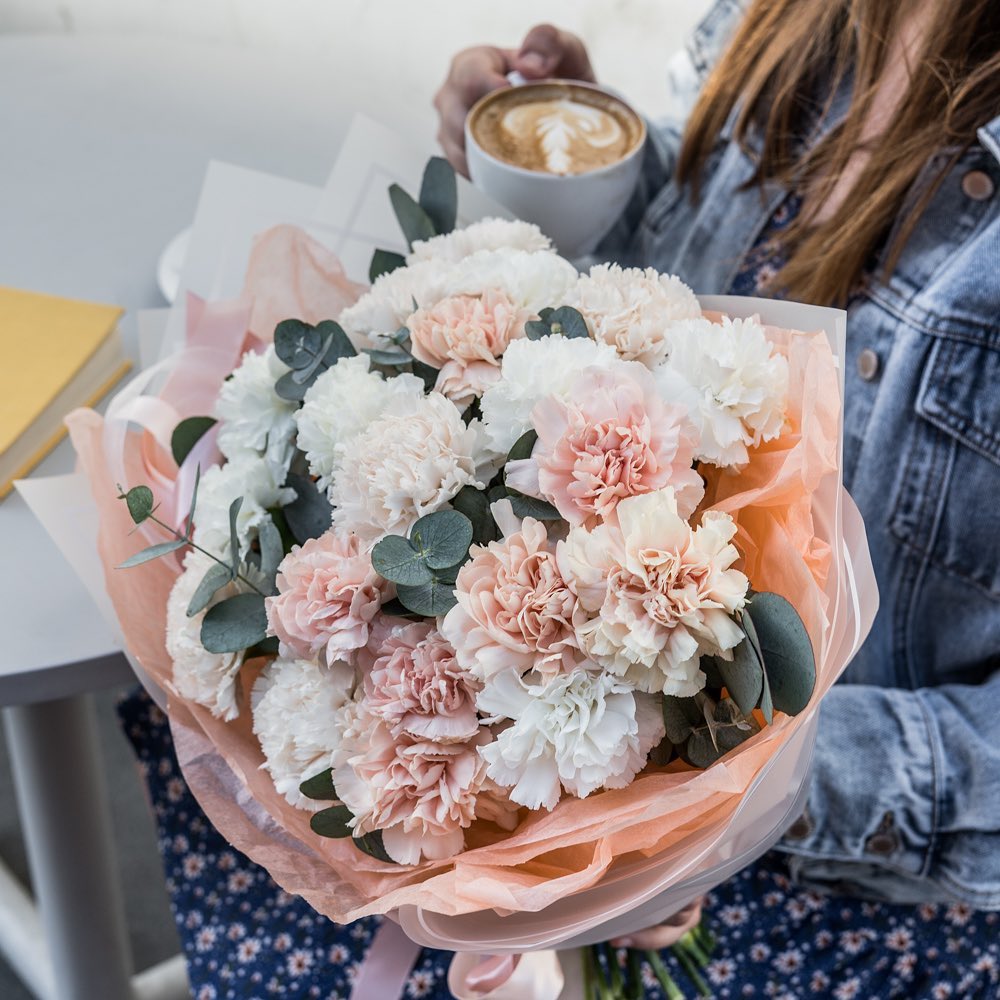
(625,942)
(533,62)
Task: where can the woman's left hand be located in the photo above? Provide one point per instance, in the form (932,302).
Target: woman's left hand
(665,934)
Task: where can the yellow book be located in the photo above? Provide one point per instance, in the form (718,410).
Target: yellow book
(55,355)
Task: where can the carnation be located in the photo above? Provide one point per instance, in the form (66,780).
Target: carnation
(255,421)
(609,438)
(488,234)
(464,336)
(514,607)
(295,705)
(577,732)
(340,404)
(420,794)
(660,593)
(257,482)
(209,679)
(327,596)
(740,382)
(415,685)
(530,371)
(409,462)
(633,310)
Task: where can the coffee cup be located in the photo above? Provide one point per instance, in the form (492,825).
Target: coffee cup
(562,154)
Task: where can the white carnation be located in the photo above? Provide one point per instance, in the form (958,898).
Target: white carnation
(209,679)
(255,481)
(633,309)
(530,280)
(296,706)
(409,462)
(488,234)
(741,385)
(580,731)
(340,404)
(385,307)
(255,421)
(530,371)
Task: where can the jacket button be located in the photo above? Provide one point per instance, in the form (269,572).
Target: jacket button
(800,829)
(978,185)
(868,364)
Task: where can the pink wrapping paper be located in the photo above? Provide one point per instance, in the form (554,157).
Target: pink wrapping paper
(662,821)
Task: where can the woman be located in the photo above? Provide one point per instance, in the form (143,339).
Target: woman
(843,152)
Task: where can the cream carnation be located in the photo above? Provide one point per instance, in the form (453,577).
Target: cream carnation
(209,679)
(255,421)
(633,309)
(661,593)
(488,234)
(611,437)
(295,706)
(514,608)
(741,384)
(340,404)
(415,685)
(409,462)
(327,596)
(464,336)
(530,371)
(253,479)
(579,731)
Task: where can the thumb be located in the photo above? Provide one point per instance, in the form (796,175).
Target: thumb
(548,52)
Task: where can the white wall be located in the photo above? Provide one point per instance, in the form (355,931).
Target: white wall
(410,40)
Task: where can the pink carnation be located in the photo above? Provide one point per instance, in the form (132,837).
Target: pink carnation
(464,336)
(610,437)
(514,607)
(416,686)
(328,594)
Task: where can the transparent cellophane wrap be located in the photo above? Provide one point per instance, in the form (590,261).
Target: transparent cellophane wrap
(592,868)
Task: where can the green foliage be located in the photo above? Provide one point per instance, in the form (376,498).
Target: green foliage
(320,786)
(384,262)
(234,624)
(309,514)
(439,194)
(187,434)
(413,220)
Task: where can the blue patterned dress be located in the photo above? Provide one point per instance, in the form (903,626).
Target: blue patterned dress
(246,939)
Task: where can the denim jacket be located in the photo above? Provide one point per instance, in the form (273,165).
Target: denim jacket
(905,802)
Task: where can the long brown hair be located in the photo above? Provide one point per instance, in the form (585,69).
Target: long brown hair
(781,70)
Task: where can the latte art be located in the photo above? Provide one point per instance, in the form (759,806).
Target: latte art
(560,128)
(567,133)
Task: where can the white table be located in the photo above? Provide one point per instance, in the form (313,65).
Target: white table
(105,141)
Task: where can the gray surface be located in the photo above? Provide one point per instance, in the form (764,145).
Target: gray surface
(150,924)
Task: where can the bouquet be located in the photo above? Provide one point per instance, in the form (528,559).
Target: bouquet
(486,587)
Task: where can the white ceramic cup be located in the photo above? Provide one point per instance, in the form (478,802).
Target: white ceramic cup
(573,210)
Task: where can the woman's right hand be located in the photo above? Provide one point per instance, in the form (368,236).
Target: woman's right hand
(546,52)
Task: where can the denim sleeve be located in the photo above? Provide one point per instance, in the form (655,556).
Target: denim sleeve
(905,802)
(686,73)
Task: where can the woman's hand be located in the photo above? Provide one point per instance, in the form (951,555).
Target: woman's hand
(665,934)
(545,52)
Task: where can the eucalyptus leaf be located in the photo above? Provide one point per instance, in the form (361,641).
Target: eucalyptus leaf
(413,220)
(525,506)
(372,845)
(309,514)
(153,552)
(743,676)
(234,538)
(439,194)
(475,505)
(430,599)
(788,654)
(384,262)
(211,583)
(234,624)
(332,822)
(397,560)
(320,786)
(523,446)
(568,322)
(139,500)
(271,551)
(187,434)
(443,538)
